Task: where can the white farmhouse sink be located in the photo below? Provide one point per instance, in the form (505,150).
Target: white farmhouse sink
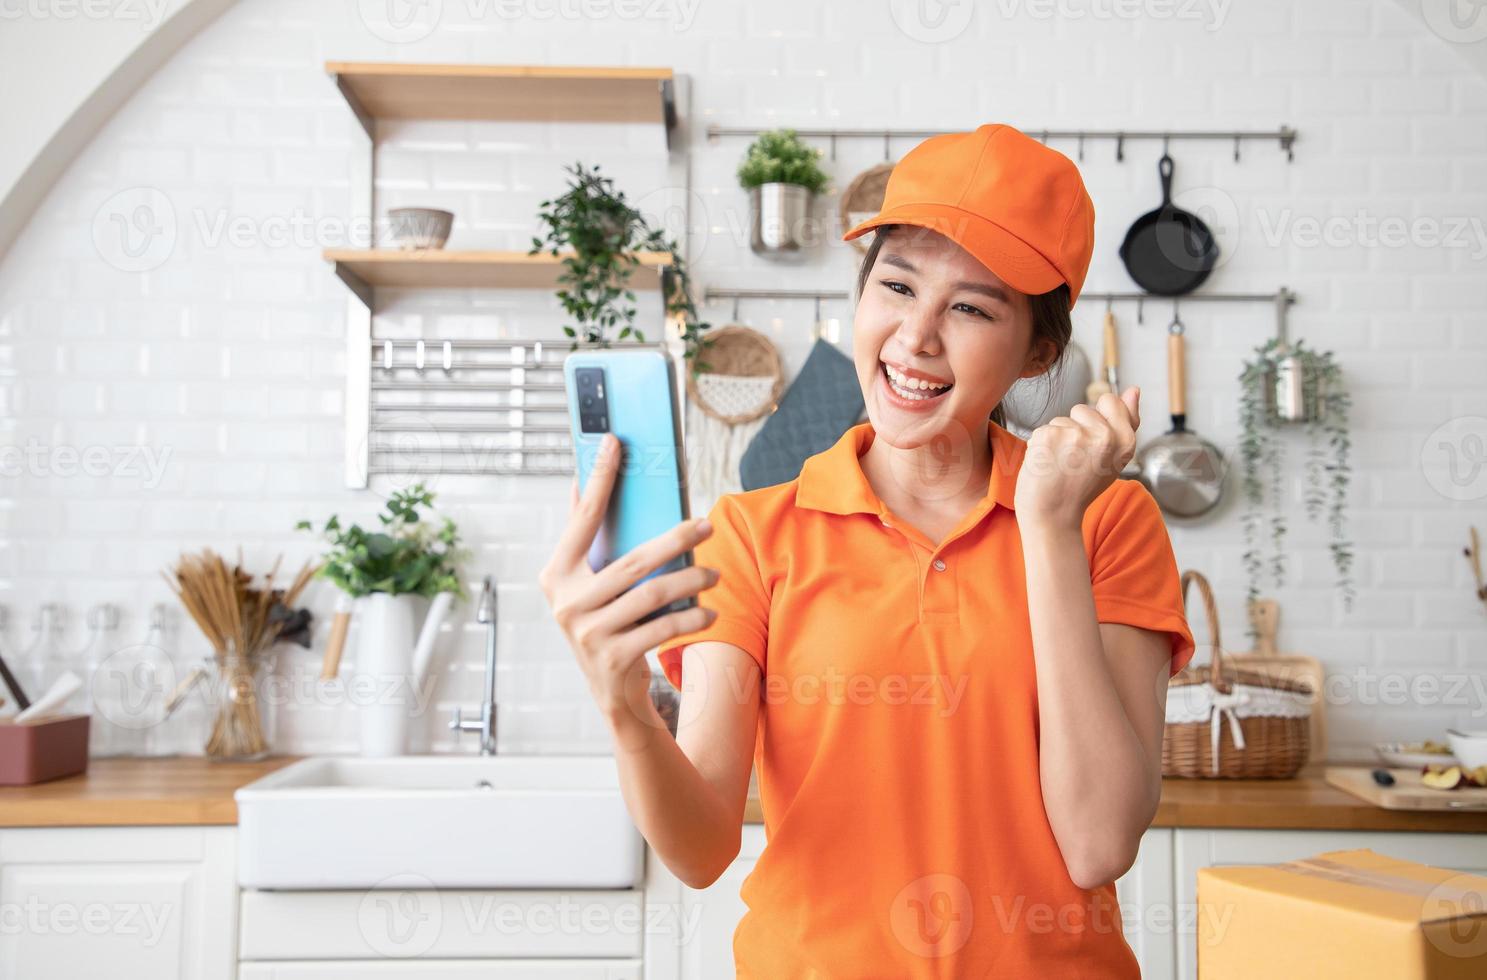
(438,822)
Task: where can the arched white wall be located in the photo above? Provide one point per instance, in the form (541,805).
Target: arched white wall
(64,69)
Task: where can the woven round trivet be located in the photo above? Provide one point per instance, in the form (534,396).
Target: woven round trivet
(863,199)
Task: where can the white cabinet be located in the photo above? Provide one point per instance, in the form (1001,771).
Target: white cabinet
(127,903)
(702,946)
(444,970)
(409,924)
(1196,849)
(1145,896)
(695,940)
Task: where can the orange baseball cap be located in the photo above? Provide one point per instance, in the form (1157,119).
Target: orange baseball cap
(1015,204)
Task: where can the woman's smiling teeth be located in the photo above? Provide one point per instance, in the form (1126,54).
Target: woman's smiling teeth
(914,389)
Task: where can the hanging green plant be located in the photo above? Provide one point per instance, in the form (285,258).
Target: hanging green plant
(1263,455)
(602,233)
(779,156)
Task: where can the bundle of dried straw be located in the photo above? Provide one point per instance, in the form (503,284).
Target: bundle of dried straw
(240,621)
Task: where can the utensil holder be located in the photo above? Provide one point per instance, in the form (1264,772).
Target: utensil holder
(43,750)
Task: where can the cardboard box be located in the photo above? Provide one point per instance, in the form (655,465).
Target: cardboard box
(1353,914)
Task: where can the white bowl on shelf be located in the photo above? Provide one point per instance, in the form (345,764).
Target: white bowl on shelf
(419,228)
(1470,748)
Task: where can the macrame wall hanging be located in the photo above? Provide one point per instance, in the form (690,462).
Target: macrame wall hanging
(726,405)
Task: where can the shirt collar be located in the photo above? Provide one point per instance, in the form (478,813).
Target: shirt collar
(833,481)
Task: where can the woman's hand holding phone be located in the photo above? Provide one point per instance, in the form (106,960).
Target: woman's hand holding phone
(597,611)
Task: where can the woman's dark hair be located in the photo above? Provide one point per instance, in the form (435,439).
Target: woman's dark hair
(1050,314)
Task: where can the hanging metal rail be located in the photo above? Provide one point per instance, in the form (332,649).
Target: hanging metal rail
(1285,136)
(1280,299)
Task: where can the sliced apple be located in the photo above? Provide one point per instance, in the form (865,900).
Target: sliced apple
(1449,778)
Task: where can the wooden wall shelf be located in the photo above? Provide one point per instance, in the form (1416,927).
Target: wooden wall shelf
(536,93)
(364,269)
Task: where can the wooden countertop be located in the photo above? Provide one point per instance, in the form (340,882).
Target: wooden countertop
(1304,803)
(191,790)
(136,793)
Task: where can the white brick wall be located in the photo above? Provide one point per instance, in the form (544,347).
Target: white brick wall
(228,355)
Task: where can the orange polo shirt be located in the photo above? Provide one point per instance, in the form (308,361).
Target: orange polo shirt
(898,745)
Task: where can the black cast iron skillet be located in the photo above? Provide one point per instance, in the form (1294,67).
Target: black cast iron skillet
(1169,251)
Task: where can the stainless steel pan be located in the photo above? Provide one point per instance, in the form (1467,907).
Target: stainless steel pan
(1183,471)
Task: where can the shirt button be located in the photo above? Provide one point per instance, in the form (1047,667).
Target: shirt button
(939,565)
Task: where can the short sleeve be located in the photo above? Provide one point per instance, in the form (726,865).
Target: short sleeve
(1133,571)
(740,598)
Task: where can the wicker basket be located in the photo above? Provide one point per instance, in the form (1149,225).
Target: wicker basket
(1227,723)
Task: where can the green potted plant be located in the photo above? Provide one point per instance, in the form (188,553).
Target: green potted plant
(601,233)
(782,175)
(383,570)
(1286,384)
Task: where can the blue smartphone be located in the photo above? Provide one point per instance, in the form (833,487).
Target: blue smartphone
(633,394)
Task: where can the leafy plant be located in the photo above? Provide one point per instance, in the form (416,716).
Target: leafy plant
(602,233)
(779,157)
(408,555)
(1263,454)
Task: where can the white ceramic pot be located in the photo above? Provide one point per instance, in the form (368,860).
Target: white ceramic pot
(384,662)
(393,668)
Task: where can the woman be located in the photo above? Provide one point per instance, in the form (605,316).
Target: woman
(946,647)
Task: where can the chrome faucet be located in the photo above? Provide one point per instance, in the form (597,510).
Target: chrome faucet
(485,612)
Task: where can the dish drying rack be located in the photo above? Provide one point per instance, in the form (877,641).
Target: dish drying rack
(467,407)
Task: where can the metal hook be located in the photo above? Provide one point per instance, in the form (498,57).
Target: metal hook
(1141,310)
(1081,147)
(1109,302)
(1120,147)
(818,309)
(735,309)
(833,146)
(1236,147)
(1176,325)
(104,616)
(1044,138)
(1165,138)
(887,154)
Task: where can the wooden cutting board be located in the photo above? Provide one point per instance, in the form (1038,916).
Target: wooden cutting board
(1407,793)
(1267,661)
